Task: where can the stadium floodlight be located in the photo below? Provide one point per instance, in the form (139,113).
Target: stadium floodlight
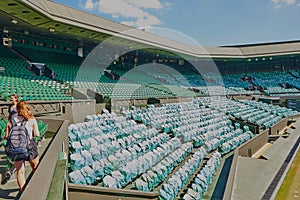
(14,21)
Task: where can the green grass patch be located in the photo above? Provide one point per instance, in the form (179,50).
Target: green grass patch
(49,134)
(290,185)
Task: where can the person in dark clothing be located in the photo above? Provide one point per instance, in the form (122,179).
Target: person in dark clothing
(12,112)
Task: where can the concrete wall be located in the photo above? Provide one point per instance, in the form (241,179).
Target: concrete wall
(37,107)
(99,107)
(81,109)
(79,93)
(79,192)
(4,110)
(231,176)
(95,95)
(76,111)
(116,104)
(252,146)
(253,127)
(53,124)
(242,97)
(40,181)
(247,149)
(275,129)
(175,100)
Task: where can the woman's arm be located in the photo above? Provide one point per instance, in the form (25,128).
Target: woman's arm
(7,129)
(36,132)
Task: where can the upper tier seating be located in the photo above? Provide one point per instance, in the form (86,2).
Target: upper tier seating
(17,78)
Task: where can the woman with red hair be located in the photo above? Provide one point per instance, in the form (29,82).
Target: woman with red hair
(25,113)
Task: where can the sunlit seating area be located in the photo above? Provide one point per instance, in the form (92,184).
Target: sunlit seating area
(141,148)
(260,113)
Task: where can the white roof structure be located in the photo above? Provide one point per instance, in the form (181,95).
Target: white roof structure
(53,16)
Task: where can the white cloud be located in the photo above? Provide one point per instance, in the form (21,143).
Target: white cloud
(148,21)
(168,5)
(138,10)
(144,22)
(89,5)
(280,3)
(154,4)
(120,7)
(128,23)
(290,1)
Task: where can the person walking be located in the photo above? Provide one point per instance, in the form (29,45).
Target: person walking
(25,115)
(12,112)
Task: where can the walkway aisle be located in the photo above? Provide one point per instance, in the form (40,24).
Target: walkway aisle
(254,176)
(10,190)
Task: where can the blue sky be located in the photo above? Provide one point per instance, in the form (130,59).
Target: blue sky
(209,22)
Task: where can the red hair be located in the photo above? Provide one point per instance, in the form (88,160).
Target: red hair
(24,110)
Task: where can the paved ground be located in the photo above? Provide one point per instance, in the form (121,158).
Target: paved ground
(254,176)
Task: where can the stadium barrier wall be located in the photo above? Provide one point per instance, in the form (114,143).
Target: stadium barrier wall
(43,108)
(243,150)
(80,93)
(294,117)
(99,107)
(278,127)
(37,107)
(99,97)
(76,111)
(78,192)
(40,181)
(231,177)
(53,124)
(175,100)
(58,187)
(254,128)
(241,97)
(116,104)
(250,147)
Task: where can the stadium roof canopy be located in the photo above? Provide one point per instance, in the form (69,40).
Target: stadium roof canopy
(49,19)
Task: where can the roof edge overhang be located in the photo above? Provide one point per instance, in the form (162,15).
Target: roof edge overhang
(53,11)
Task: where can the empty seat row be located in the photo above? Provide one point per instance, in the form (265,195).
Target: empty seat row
(178,180)
(203,178)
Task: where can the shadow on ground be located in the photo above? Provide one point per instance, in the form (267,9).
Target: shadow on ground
(222,180)
(5,194)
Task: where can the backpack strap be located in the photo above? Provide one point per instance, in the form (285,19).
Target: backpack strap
(23,123)
(13,122)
